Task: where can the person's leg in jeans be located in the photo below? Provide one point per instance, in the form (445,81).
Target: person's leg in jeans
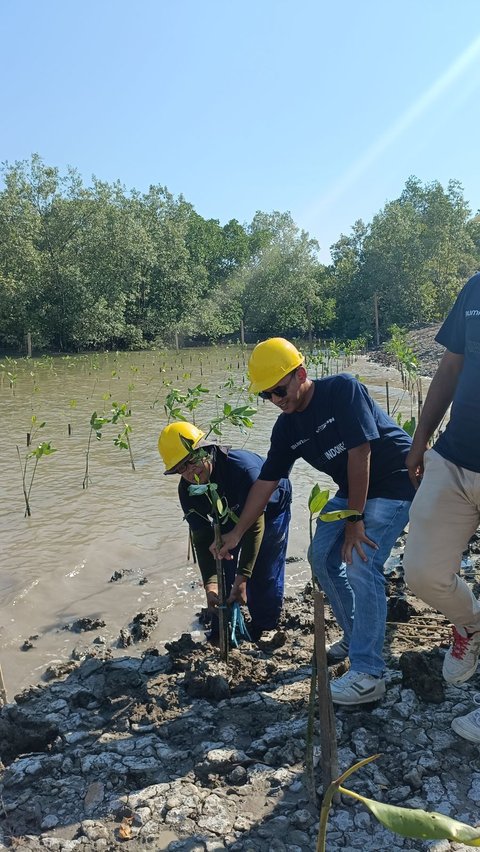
(357,593)
(266,585)
(384,521)
(330,571)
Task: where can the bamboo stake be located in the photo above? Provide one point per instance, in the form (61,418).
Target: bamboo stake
(222,602)
(328,739)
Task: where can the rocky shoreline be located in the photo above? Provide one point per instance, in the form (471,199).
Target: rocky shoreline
(176,751)
(422,342)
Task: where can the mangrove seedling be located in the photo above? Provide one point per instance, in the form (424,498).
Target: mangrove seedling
(96,425)
(43,449)
(177,403)
(120,413)
(408,822)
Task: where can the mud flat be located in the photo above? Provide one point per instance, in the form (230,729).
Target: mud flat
(176,751)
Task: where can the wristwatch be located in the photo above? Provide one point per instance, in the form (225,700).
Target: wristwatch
(354,518)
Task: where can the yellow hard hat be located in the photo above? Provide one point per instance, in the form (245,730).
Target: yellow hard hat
(170,444)
(271,361)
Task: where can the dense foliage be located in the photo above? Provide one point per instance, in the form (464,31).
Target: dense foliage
(100,267)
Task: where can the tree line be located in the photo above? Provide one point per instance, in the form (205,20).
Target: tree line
(102,267)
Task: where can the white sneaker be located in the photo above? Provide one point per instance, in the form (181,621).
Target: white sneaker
(357,688)
(461,659)
(469,726)
(337,651)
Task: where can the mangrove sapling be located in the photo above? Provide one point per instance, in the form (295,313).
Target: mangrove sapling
(406,360)
(177,403)
(408,822)
(43,449)
(220,513)
(120,413)
(96,425)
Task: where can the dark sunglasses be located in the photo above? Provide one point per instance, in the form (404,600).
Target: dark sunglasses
(280,391)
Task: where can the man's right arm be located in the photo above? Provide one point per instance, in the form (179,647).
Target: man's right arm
(257,499)
(439,397)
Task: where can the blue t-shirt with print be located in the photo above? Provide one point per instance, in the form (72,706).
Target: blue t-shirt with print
(460,333)
(234,472)
(342,415)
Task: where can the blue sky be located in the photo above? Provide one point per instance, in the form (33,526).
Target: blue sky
(323,109)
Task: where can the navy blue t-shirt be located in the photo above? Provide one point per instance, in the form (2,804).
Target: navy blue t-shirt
(234,473)
(342,415)
(460,333)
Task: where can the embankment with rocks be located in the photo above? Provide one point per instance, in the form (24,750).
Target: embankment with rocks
(179,751)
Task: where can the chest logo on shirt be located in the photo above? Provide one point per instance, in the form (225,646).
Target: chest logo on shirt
(324,425)
(299,443)
(335,451)
(473,313)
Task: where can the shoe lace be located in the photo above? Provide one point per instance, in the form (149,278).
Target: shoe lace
(351,675)
(460,644)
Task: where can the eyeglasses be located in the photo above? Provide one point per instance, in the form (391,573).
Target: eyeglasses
(191,461)
(280,391)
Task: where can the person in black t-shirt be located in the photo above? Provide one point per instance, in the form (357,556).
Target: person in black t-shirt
(336,426)
(446,509)
(256,574)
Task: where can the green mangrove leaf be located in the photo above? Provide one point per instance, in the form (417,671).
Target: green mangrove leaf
(44,449)
(219,504)
(187,443)
(245,411)
(413,822)
(340,515)
(97,422)
(317,499)
(409,426)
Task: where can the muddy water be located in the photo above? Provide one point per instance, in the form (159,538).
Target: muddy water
(57,565)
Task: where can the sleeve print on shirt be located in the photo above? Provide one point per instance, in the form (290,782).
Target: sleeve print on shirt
(452,332)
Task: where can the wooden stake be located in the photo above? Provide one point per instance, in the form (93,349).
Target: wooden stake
(375,310)
(222,599)
(328,738)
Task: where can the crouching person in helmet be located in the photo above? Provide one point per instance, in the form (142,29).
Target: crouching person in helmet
(256,573)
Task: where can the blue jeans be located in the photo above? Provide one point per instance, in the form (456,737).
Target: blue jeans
(356,592)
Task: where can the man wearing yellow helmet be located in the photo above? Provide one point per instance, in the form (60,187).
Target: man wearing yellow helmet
(257,572)
(336,426)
